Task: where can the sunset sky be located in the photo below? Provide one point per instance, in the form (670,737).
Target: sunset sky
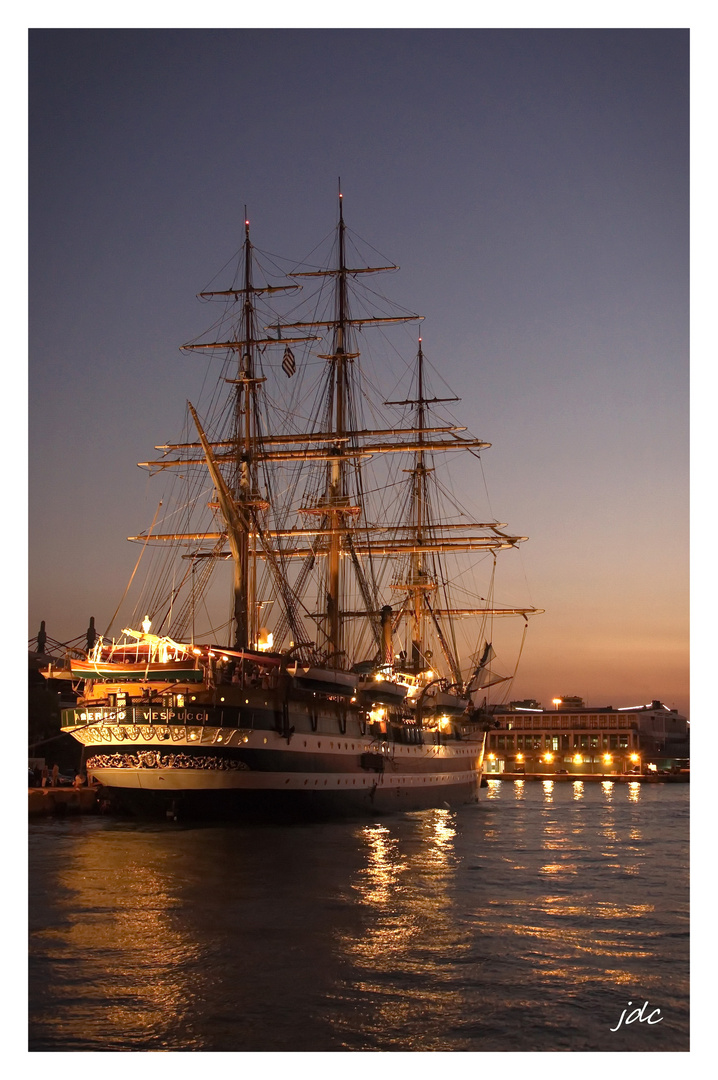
(533,185)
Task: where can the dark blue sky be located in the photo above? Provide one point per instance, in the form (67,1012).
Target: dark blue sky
(533,186)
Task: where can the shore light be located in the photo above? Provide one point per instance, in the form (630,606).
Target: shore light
(607,759)
(577,759)
(548,757)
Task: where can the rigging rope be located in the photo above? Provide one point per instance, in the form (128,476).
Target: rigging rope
(149,533)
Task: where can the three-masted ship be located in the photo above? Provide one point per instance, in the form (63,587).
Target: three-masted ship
(351,678)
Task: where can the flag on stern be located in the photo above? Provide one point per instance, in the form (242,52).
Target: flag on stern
(288,363)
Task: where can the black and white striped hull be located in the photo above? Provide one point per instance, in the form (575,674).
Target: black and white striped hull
(230,772)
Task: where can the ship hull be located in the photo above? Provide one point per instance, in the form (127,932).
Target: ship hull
(298,758)
(280,803)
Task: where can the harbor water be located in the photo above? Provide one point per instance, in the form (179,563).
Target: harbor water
(526,923)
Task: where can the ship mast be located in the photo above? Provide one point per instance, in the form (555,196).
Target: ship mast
(335,530)
(335,494)
(419,576)
(336,505)
(419,581)
(241,503)
(246,470)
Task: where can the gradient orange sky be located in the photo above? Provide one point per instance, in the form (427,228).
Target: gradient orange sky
(532,185)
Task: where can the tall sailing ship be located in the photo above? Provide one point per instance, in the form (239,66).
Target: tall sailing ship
(359,650)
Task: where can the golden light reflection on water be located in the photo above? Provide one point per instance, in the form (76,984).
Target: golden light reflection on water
(384,865)
(406,889)
(395,935)
(554,836)
(444,832)
(519,789)
(409,891)
(573,941)
(558,868)
(578,789)
(634,791)
(126,907)
(564,941)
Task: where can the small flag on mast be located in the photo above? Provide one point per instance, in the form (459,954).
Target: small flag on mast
(289,363)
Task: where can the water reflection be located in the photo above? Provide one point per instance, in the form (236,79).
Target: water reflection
(384,865)
(634,791)
(512,925)
(389,866)
(519,789)
(578,789)
(407,889)
(133,987)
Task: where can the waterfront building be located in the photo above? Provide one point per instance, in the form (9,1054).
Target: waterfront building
(577,739)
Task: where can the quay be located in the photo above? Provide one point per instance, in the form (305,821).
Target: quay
(47,801)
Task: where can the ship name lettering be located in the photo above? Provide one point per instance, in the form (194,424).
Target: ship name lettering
(182,717)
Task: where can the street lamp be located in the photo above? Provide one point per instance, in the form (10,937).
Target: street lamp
(557,701)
